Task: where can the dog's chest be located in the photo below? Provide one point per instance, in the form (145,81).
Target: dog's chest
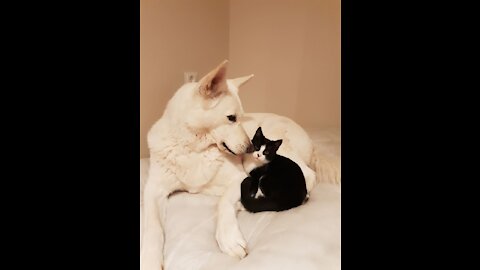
(196,170)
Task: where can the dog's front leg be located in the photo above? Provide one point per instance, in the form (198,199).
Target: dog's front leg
(228,234)
(157,189)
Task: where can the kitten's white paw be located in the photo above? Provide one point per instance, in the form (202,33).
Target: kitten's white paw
(259,194)
(231,241)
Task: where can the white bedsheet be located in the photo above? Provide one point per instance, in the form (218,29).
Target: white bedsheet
(307,237)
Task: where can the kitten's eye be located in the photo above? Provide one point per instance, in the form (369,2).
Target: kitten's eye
(265,152)
(232,118)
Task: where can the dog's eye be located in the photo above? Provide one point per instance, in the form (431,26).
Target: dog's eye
(232,118)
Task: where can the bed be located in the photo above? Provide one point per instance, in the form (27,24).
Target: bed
(307,237)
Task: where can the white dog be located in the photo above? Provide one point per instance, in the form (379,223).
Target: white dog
(197,146)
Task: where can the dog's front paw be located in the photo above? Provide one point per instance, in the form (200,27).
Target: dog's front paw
(231,241)
(151,259)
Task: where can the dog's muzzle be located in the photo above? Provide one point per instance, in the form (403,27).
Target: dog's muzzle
(229,150)
(250,149)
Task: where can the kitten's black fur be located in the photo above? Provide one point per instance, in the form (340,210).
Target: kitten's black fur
(281,180)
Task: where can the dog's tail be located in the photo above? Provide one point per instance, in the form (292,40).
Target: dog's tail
(327,169)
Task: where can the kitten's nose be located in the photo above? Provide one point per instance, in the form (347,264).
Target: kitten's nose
(258,155)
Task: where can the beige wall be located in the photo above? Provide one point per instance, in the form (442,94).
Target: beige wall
(176,36)
(292,47)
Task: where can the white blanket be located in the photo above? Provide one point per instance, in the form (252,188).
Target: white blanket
(306,237)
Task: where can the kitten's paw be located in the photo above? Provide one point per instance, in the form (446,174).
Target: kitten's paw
(258,194)
(231,241)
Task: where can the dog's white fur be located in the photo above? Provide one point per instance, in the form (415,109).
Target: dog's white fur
(188,151)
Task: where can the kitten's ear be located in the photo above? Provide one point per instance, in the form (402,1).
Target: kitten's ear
(258,137)
(276,144)
(259,132)
(215,82)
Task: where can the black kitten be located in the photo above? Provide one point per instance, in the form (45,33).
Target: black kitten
(276,183)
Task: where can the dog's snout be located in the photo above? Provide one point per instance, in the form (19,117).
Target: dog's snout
(250,148)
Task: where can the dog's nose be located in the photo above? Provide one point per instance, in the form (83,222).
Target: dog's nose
(250,148)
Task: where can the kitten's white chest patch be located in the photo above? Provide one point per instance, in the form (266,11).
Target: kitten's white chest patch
(254,160)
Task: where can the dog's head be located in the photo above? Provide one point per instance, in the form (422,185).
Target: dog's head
(218,109)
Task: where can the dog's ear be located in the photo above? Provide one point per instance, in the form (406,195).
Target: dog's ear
(215,82)
(237,82)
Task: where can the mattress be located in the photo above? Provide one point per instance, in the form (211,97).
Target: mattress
(306,237)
